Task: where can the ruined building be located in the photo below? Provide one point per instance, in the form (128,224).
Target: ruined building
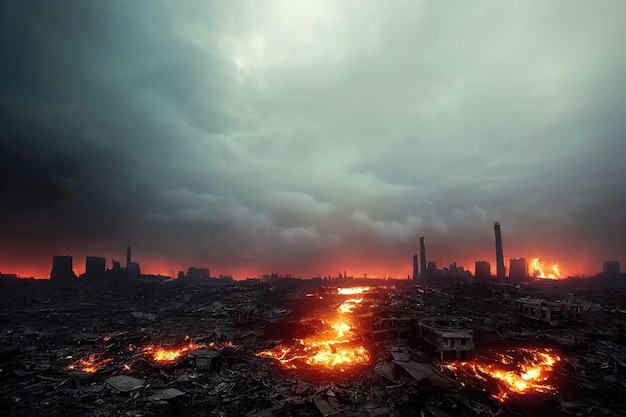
(482,269)
(62,270)
(518,270)
(447,339)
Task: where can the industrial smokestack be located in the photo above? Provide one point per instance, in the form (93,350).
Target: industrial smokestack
(127,257)
(500,269)
(422,256)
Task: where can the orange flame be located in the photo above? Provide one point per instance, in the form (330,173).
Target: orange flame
(525,370)
(170,354)
(349,305)
(539,269)
(352,290)
(91,365)
(334,348)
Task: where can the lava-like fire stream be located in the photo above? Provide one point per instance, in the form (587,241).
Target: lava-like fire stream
(333,348)
(170,354)
(520,371)
(91,365)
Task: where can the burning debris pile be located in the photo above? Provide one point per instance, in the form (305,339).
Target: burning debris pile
(124,356)
(335,345)
(300,350)
(518,371)
(170,354)
(90,365)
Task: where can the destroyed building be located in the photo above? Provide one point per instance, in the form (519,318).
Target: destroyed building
(221,348)
(550,313)
(447,339)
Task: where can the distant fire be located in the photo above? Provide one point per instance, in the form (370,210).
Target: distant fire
(352,290)
(537,268)
(334,347)
(520,371)
(90,365)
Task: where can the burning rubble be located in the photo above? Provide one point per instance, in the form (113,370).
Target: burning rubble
(90,365)
(170,354)
(352,290)
(358,353)
(334,346)
(518,371)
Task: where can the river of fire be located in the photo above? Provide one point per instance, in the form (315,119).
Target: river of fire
(334,347)
(518,371)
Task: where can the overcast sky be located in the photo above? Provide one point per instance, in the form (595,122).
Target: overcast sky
(308,137)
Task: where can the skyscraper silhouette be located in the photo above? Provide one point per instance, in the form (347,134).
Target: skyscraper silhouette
(422,256)
(500,269)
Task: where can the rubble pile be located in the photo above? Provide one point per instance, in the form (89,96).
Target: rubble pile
(458,348)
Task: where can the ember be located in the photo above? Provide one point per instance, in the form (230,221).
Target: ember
(521,371)
(91,365)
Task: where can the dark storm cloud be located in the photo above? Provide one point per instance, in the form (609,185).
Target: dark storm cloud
(296,135)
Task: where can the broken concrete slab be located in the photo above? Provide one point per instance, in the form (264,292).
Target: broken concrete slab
(124,383)
(167,394)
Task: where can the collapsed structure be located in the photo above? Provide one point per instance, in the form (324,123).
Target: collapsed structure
(312,347)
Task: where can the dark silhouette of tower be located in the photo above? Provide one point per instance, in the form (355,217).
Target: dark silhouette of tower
(422,256)
(500,269)
(127,257)
(482,269)
(610,268)
(517,269)
(95,266)
(62,269)
(415,267)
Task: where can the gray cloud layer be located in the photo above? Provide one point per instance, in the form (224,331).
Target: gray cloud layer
(295,136)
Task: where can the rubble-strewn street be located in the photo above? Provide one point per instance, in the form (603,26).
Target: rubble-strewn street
(210,348)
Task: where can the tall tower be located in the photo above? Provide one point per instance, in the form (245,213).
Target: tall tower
(127,257)
(500,269)
(422,256)
(415,267)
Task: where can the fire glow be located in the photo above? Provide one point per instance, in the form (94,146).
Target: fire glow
(520,371)
(349,305)
(91,365)
(333,348)
(170,354)
(539,269)
(352,290)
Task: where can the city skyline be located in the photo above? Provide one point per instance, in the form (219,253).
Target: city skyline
(307,137)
